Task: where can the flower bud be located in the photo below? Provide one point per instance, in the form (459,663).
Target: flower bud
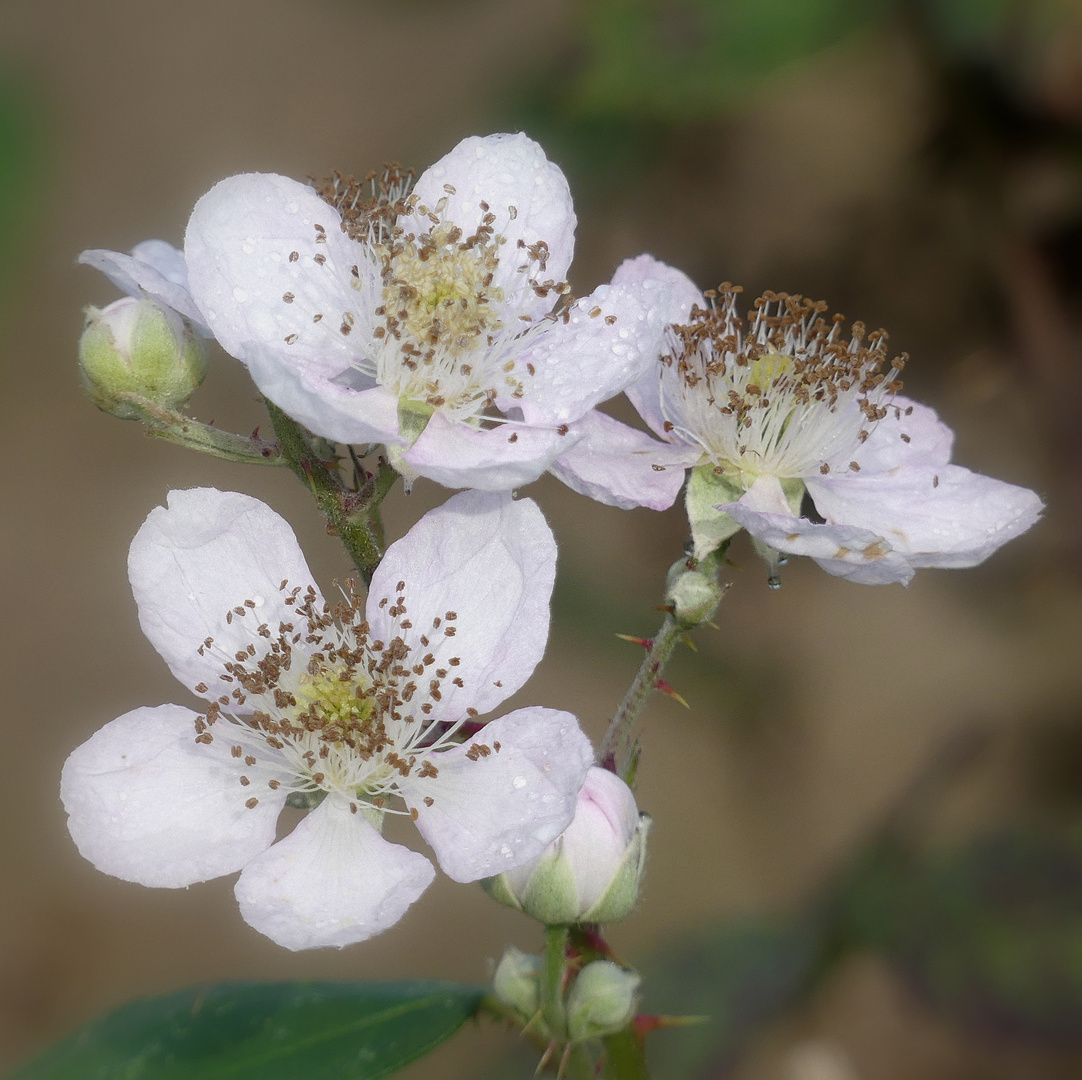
(517,982)
(592,871)
(602,1000)
(140,347)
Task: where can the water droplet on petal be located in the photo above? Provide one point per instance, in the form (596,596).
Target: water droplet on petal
(240,295)
(518,783)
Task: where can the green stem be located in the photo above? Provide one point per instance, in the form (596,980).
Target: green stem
(177,428)
(624,1056)
(692,596)
(353,516)
(617,751)
(552,981)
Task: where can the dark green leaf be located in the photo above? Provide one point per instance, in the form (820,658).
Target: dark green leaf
(263,1031)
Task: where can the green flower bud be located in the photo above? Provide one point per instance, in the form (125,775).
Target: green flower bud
(140,347)
(693,593)
(517,982)
(592,871)
(602,1000)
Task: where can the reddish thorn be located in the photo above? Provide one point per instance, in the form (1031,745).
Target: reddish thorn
(645,642)
(665,688)
(255,434)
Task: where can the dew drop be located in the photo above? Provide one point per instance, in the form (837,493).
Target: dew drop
(247,249)
(240,295)
(773,582)
(291,208)
(518,783)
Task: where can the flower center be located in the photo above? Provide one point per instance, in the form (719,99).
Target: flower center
(443,335)
(783,395)
(323,707)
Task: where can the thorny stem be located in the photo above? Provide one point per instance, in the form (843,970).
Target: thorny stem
(624,1058)
(353,516)
(617,751)
(177,428)
(692,596)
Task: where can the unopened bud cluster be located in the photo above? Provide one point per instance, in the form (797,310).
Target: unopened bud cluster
(602,998)
(142,348)
(592,871)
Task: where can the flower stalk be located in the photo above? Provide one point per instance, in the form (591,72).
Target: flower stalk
(353,516)
(176,427)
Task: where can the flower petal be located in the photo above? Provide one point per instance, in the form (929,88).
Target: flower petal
(602,343)
(251,244)
(684,294)
(504,171)
(910,434)
(489,560)
(147,803)
(493,809)
(155,269)
(842,550)
(332,881)
(499,459)
(617,465)
(347,409)
(190,565)
(942,515)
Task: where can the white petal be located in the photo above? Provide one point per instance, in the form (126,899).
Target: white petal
(240,246)
(332,881)
(147,803)
(505,171)
(191,564)
(684,294)
(940,515)
(347,409)
(154,269)
(495,812)
(492,562)
(583,359)
(617,465)
(910,434)
(842,550)
(502,458)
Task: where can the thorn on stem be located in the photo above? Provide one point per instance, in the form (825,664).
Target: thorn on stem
(665,688)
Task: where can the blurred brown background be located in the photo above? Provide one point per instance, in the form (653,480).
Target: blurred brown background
(917,165)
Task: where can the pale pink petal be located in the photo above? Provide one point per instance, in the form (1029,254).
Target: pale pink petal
(154,269)
(942,515)
(149,804)
(501,458)
(190,565)
(347,409)
(332,881)
(491,562)
(602,343)
(251,245)
(505,172)
(684,294)
(910,434)
(842,550)
(617,465)
(494,808)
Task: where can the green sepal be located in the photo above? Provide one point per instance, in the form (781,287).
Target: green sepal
(413,418)
(706,490)
(623,893)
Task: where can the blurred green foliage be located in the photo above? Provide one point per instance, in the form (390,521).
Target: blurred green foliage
(263,1031)
(22,154)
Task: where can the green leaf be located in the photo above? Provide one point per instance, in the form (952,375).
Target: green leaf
(263,1031)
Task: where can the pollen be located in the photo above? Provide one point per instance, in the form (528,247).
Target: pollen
(328,707)
(783,392)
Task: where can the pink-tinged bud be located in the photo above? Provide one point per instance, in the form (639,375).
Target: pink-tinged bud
(140,347)
(591,872)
